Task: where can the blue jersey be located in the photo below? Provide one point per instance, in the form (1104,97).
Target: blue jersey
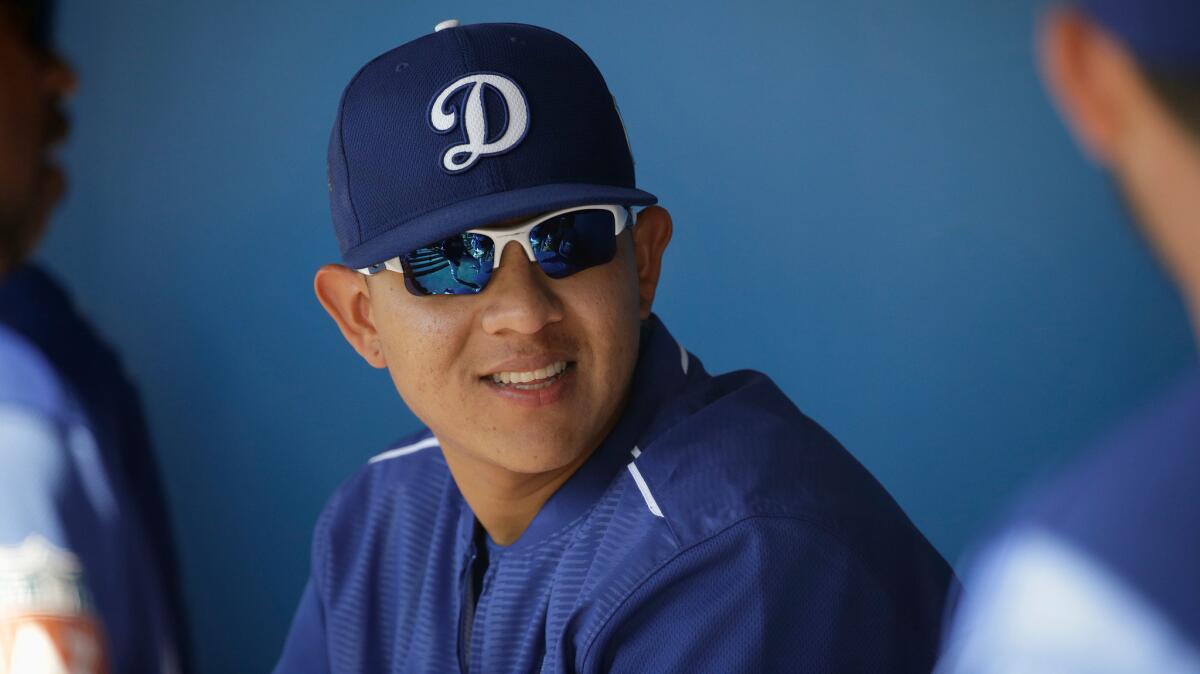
(1097,570)
(81,510)
(1132,505)
(716,529)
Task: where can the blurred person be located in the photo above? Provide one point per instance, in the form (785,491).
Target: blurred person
(1100,569)
(87,573)
(586,497)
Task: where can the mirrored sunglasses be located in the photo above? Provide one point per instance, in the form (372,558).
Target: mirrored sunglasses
(562,243)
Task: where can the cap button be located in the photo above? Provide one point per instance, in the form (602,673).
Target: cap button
(448,23)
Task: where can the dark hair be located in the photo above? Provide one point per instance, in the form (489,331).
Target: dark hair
(35,19)
(1180,92)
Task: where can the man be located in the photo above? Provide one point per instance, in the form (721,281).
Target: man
(1099,573)
(87,575)
(586,497)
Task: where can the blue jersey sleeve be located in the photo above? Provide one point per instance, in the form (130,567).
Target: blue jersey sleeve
(47,526)
(768,594)
(38,490)
(304,650)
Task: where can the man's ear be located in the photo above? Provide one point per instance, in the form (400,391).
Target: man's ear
(651,235)
(344,294)
(1086,72)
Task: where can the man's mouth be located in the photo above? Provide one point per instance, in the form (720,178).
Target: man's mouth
(532,380)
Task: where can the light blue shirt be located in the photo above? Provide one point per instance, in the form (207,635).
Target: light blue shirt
(1037,604)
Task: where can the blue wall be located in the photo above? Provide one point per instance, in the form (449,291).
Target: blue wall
(946,285)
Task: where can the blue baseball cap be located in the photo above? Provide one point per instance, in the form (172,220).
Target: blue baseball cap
(1164,35)
(468,126)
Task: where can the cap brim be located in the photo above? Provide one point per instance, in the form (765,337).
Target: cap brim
(485,210)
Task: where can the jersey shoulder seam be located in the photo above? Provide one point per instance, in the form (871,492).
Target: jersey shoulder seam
(362,478)
(405,450)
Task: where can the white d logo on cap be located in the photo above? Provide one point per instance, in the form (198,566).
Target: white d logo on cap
(475,119)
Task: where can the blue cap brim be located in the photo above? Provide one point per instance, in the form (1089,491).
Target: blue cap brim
(486,210)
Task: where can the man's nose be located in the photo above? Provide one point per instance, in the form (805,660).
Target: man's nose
(519,296)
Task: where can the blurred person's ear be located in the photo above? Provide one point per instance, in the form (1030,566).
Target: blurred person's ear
(1090,76)
(344,294)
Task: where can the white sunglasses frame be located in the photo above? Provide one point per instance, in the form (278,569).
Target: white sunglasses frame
(500,236)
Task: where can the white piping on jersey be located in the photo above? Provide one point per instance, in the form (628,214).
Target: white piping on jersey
(641,484)
(431,441)
(683,357)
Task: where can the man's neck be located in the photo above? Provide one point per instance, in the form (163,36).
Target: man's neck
(503,501)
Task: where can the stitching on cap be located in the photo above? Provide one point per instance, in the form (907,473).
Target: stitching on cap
(341,125)
(346,165)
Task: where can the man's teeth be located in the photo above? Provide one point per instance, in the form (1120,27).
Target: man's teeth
(552,370)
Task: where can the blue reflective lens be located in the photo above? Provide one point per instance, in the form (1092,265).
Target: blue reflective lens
(457,265)
(574,241)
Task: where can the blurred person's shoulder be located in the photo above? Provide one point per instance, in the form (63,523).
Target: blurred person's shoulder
(29,384)
(1144,466)
(1131,503)
(1096,568)
(46,606)
(38,420)
(37,411)
(1039,603)
(35,415)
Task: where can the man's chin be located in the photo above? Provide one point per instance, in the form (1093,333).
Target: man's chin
(22,229)
(537,458)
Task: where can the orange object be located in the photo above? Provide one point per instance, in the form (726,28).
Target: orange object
(51,644)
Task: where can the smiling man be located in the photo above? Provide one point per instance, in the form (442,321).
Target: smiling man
(586,496)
